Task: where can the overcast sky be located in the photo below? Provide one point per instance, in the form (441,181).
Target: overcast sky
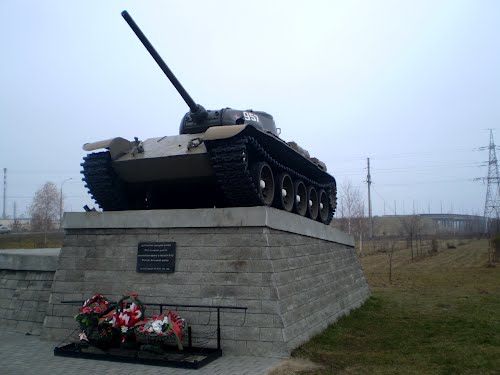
(413,85)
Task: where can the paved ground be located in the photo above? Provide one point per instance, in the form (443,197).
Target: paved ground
(28,355)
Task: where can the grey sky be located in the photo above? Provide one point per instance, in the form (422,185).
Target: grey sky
(411,84)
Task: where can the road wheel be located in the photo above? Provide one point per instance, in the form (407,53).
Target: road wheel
(324,207)
(263,178)
(300,201)
(312,203)
(284,192)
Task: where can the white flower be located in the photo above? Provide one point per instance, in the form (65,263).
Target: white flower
(124,329)
(157,326)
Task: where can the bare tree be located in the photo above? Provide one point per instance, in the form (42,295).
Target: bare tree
(390,253)
(389,247)
(411,227)
(350,210)
(44,209)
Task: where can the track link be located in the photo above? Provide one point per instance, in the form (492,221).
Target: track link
(104,186)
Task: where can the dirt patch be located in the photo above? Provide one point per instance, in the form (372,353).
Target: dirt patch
(293,366)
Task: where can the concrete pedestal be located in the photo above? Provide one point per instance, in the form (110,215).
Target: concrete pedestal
(295,276)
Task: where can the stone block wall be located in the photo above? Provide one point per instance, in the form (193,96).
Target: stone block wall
(25,282)
(293,283)
(317,282)
(24,297)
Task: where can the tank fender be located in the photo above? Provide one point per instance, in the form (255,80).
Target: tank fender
(299,149)
(306,154)
(96,145)
(117,146)
(319,163)
(223,132)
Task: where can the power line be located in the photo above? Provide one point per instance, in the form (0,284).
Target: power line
(428,182)
(393,209)
(414,168)
(409,154)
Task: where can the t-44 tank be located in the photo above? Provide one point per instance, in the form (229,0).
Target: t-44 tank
(221,158)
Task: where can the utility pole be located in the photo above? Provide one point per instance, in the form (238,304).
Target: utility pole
(4,216)
(369,182)
(61,202)
(492,201)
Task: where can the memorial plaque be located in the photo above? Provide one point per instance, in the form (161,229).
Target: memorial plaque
(156,257)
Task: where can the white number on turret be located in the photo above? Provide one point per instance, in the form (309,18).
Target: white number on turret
(250,116)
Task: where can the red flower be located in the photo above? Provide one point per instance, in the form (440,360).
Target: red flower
(97,310)
(86,310)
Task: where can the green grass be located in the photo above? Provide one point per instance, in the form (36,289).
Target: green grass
(441,315)
(28,240)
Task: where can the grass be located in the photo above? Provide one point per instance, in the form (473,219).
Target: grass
(440,315)
(27,240)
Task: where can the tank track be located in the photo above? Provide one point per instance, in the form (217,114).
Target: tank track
(230,163)
(104,186)
(230,160)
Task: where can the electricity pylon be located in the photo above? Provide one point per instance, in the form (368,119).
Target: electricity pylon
(492,202)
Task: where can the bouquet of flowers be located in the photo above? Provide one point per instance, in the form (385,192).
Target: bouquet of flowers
(91,310)
(160,327)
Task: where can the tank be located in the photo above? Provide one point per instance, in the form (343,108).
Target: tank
(221,158)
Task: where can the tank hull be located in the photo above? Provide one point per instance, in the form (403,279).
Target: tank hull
(227,166)
(165,159)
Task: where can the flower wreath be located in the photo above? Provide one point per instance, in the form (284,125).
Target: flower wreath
(129,313)
(161,326)
(91,310)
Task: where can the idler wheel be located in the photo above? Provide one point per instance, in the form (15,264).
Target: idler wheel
(284,192)
(324,207)
(300,201)
(312,203)
(264,181)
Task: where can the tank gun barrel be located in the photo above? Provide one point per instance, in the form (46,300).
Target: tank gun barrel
(187,98)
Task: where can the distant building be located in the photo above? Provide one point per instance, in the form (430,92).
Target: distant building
(454,223)
(390,225)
